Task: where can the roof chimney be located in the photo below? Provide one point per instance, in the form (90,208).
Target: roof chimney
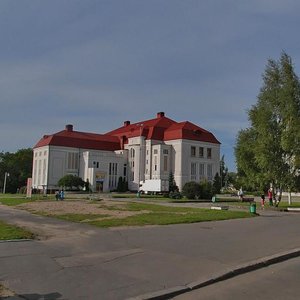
(69,127)
(160,114)
(126,123)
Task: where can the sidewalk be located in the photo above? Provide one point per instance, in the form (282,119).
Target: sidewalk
(77,261)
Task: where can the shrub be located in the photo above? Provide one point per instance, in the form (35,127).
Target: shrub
(191,190)
(71,181)
(175,195)
(206,189)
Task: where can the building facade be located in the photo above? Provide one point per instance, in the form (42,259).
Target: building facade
(141,152)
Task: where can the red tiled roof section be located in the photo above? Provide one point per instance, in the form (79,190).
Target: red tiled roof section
(189,131)
(84,140)
(151,129)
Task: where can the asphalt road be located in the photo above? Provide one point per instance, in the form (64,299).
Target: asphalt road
(77,261)
(279,281)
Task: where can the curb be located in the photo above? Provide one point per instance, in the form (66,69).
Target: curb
(16,240)
(227,274)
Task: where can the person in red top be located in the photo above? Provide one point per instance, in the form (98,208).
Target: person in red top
(270,196)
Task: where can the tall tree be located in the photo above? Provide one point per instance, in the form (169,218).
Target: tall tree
(269,151)
(19,167)
(223,172)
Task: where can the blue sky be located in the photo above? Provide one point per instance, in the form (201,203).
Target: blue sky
(95,64)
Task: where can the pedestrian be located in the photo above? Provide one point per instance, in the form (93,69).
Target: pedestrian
(61,195)
(270,196)
(241,194)
(262,200)
(56,195)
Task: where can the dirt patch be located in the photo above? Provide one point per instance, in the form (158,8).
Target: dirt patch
(105,207)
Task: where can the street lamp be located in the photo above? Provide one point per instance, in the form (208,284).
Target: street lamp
(6,174)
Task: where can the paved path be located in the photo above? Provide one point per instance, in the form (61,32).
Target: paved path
(77,261)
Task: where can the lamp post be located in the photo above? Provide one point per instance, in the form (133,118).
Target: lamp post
(6,174)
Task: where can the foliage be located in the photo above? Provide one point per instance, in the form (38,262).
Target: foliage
(122,185)
(223,173)
(269,150)
(207,190)
(172,184)
(217,184)
(71,181)
(175,195)
(19,167)
(191,190)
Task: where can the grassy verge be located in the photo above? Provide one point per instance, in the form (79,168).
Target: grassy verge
(152,214)
(10,232)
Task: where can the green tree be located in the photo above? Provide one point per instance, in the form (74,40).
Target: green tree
(19,167)
(217,184)
(223,173)
(172,184)
(269,151)
(207,189)
(71,181)
(191,190)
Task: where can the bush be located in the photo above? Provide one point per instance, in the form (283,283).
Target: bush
(191,190)
(122,185)
(71,181)
(207,190)
(175,195)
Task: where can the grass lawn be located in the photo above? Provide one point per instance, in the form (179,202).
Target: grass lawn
(153,214)
(10,232)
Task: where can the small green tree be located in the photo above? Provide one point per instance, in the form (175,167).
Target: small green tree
(191,190)
(71,181)
(172,184)
(216,184)
(122,185)
(206,188)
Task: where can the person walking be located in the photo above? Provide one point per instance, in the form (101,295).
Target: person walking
(262,200)
(270,196)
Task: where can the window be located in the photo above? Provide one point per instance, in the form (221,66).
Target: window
(113,171)
(165,163)
(45,152)
(72,161)
(132,153)
(208,152)
(147,152)
(165,151)
(96,164)
(201,152)
(194,171)
(155,151)
(155,163)
(193,151)
(209,172)
(201,172)
(125,170)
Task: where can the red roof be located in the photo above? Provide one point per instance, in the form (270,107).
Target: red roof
(84,140)
(161,128)
(164,129)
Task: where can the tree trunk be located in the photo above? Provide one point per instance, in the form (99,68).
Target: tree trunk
(290,197)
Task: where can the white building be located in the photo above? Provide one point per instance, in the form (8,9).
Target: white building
(147,150)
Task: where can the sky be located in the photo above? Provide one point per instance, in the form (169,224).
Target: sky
(97,63)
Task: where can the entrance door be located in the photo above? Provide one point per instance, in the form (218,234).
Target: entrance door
(99,186)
